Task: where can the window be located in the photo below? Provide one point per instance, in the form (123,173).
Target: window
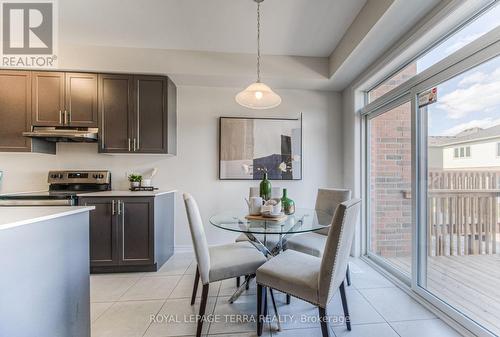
(461,152)
(390,187)
(472,31)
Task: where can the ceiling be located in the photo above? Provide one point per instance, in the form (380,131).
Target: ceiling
(289,27)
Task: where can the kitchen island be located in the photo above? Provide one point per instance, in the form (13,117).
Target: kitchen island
(44,280)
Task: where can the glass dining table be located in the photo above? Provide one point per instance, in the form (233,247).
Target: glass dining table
(270,235)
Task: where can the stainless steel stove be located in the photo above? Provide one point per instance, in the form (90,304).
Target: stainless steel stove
(63,189)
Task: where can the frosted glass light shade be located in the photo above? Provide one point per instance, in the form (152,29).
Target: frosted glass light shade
(258,96)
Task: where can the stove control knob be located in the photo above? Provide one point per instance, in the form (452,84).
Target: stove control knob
(101,176)
(60,176)
(53,176)
(94,176)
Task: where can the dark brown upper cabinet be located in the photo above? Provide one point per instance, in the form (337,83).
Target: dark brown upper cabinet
(115,113)
(48,98)
(15,114)
(64,99)
(81,99)
(150,114)
(134,113)
(137,114)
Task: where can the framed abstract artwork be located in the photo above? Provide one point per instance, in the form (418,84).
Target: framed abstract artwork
(248,147)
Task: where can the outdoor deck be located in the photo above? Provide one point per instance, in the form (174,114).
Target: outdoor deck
(469,283)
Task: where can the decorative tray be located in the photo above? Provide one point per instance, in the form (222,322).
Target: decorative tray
(143,188)
(267,218)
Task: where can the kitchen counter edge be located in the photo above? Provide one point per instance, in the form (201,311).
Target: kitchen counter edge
(126,193)
(31,214)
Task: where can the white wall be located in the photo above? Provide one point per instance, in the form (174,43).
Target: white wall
(483,154)
(435,159)
(195,168)
(352,165)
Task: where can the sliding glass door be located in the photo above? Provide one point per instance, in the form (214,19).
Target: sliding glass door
(459,230)
(432,178)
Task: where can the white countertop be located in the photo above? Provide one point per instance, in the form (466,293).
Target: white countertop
(17,216)
(126,193)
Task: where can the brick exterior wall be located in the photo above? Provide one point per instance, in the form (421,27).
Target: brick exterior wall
(390,174)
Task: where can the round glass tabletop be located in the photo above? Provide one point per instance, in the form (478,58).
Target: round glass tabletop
(303,220)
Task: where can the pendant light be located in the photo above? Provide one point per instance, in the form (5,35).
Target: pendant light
(258,95)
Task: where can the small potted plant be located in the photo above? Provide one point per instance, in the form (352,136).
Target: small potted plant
(135,180)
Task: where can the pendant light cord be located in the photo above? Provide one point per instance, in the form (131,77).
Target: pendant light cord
(258,42)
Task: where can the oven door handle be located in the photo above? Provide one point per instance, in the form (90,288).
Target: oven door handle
(35,202)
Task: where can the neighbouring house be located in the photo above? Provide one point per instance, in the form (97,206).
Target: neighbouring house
(474,148)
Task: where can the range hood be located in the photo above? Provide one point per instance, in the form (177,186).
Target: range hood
(63,134)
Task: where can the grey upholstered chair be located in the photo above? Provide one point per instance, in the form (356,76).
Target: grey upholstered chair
(218,262)
(313,243)
(276,192)
(312,279)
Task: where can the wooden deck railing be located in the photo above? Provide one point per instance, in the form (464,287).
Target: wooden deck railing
(463,212)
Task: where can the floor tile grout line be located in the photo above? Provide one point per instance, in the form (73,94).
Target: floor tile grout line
(213,311)
(137,281)
(393,329)
(161,307)
(416,320)
(383,317)
(102,313)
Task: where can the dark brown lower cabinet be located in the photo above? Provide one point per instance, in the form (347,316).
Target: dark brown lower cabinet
(103,232)
(130,233)
(136,230)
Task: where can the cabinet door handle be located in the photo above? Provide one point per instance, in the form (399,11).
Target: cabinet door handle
(60,117)
(65,117)
(135,148)
(120,207)
(69,116)
(129,145)
(113,210)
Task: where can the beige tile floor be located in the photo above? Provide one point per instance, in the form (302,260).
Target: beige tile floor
(122,306)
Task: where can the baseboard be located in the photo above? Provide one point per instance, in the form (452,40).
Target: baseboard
(183,249)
